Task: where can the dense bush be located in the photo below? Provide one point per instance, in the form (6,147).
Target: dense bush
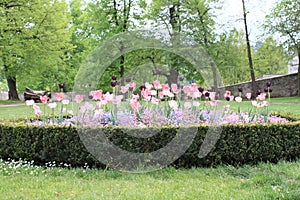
(238,144)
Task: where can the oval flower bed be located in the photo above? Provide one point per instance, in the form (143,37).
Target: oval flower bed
(246,137)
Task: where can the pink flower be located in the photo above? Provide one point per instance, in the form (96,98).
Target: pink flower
(161,95)
(207,103)
(148,86)
(135,97)
(155,100)
(117,100)
(132,85)
(44,99)
(146,94)
(135,105)
(78,98)
(52,105)
(186,89)
(265,103)
(248,95)
(194,87)
(37,110)
(108,97)
(97,95)
(227,94)
(165,87)
(125,88)
(157,85)
(174,88)
(261,97)
(59,96)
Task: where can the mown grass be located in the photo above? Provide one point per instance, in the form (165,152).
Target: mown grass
(263,181)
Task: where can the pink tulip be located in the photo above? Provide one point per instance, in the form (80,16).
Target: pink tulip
(97,95)
(37,110)
(155,100)
(248,95)
(44,99)
(59,96)
(135,105)
(157,85)
(108,97)
(125,88)
(78,98)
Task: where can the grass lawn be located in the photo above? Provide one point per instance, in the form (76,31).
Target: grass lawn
(263,181)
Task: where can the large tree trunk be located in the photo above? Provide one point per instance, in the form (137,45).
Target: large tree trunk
(298,50)
(253,83)
(12,88)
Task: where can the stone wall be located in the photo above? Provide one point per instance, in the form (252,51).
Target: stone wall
(282,86)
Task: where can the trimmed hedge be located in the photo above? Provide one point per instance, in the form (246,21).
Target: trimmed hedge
(237,145)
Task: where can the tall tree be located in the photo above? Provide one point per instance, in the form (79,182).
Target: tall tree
(106,18)
(33,36)
(253,83)
(230,55)
(284,19)
(270,58)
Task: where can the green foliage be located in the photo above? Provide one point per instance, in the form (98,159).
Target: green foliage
(237,145)
(34,38)
(270,58)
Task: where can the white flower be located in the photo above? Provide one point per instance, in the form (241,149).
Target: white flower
(153,92)
(196,104)
(52,105)
(29,102)
(173,104)
(254,103)
(187,105)
(65,101)
(238,99)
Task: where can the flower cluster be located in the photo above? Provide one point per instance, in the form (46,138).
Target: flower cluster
(158,104)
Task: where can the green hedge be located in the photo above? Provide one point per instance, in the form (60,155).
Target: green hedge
(237,145)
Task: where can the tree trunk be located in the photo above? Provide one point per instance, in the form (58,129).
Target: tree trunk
(253,83)
(298,50)
(12,88)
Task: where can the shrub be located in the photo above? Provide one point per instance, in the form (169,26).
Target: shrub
(237,145)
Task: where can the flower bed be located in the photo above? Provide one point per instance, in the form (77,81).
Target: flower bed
(156,104)
(245,137)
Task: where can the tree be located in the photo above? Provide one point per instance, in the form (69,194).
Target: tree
(191,18)
(33,37)
(284,19)
(253,84)
(106,18)
(230,55)
(270,58)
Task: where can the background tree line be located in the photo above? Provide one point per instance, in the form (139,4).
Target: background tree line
(43,42)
